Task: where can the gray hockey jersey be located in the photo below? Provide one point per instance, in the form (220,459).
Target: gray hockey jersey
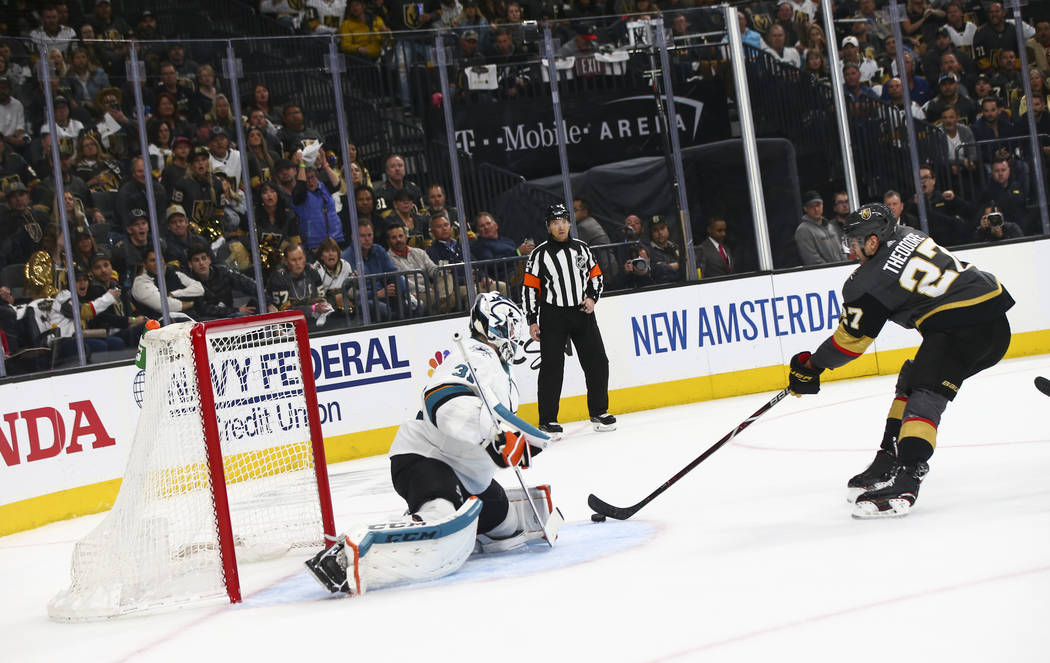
(916,284)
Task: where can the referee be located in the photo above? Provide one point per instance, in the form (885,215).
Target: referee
(562,283)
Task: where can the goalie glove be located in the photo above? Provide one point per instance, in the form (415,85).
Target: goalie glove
(506,449)
(803,380)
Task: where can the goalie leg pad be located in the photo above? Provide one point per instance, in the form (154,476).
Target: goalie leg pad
(541,498)
(527,528)
(417,549)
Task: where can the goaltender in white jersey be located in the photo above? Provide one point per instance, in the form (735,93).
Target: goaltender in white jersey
(443,463)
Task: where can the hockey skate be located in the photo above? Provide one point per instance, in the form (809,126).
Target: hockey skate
(553,429)
(328,567)
(878,475)
(897,497)
(551,519)
(604,422)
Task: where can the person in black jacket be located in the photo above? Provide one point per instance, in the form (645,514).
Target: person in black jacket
(219,283)
(298,286)
(992,227)
(115,319)
(132,194)
(1006,191)
(668,265)
(562,283)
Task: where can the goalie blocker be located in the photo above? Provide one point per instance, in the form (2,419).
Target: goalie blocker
(427,545)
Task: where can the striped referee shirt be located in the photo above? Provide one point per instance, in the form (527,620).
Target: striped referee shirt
(560,274)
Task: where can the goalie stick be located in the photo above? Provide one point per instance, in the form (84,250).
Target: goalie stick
(547,534)
(518,422)
(1043,385)
(623,513)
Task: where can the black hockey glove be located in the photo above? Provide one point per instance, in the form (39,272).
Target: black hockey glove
(507,449)
(803,380)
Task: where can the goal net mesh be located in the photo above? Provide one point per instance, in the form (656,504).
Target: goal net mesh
(159,544)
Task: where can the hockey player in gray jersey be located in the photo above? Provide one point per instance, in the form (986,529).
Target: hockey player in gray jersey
(960,311)
(443,464)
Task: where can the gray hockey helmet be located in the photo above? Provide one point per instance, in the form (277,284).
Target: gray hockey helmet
(872,219)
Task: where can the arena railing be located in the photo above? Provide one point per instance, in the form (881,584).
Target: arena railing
(969,172)
(362,102)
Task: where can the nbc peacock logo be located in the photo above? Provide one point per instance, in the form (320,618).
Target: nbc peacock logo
(436,361)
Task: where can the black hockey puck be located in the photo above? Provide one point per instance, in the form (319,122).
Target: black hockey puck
(597,517)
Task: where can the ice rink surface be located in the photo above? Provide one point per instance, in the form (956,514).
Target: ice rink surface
(751,557)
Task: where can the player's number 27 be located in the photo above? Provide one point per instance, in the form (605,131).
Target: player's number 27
(934,281)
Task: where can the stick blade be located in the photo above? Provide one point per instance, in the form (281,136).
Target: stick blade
(608,510)
(1043,385)
(554,523)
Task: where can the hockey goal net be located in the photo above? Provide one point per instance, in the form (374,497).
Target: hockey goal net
(227,464)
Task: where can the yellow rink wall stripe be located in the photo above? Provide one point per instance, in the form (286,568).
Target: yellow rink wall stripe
(84,500)
(37,511)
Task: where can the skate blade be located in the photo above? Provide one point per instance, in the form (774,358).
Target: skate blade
(897,508)
(553,437)
(602,428)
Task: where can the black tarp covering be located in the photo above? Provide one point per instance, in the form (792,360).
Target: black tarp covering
(715,183)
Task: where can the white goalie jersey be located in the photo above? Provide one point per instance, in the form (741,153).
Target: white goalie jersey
(454,425)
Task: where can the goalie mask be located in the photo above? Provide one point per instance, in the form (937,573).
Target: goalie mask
(498,320)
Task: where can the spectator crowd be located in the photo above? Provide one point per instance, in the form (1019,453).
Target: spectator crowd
(961,68)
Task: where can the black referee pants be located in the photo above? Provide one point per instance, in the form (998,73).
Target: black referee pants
(558,324)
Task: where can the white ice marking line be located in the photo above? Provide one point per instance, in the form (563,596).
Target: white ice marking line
(846,611)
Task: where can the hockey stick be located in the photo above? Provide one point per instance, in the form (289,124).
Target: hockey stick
(1043,385)
(623,513)
(458,337)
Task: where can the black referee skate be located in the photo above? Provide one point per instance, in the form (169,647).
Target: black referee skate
(896,498)
(551,428)
(604,422)
(878,475)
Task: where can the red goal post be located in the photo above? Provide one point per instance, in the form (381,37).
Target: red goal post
(227,465)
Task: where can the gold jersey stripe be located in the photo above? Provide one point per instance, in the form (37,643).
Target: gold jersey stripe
(849,344)
(897,408)
(920,428)
(964,303)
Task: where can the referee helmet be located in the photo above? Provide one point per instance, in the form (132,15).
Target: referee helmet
(556,211)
